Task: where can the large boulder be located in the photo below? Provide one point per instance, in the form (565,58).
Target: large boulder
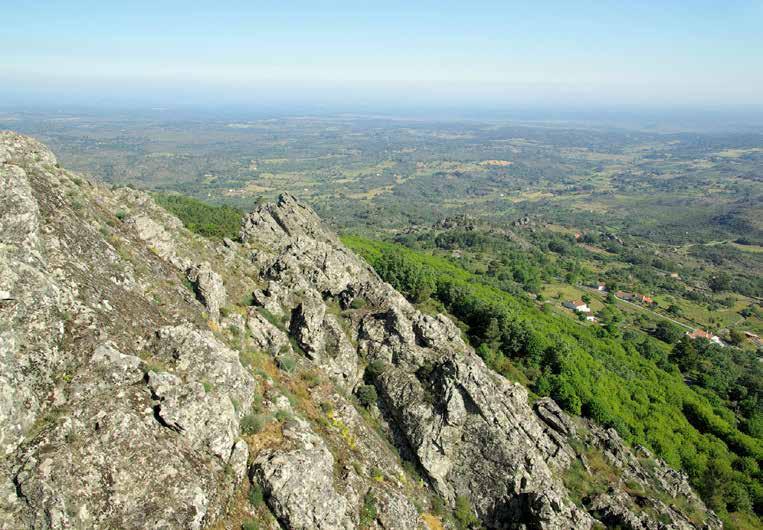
(209,288)
(299,482)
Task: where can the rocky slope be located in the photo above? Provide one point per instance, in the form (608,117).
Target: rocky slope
(150,378)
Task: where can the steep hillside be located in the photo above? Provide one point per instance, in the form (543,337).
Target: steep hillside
(152,378)
(616,378)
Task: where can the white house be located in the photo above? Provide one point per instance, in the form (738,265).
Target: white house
(702,334)
(577,305)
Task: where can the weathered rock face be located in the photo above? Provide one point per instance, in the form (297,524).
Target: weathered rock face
(302,500)
(470,431)
(209,288)
(31,312)
(93,435)
(105,460)
(123,399)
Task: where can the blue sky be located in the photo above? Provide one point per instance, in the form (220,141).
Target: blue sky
(585,53)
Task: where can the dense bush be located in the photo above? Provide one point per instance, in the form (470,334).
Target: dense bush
(367,395)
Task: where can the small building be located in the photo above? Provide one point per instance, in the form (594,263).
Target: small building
(675,276)
(602,288)
(643,299)
(624,295)
(702,334)
(591,318)
(577,305)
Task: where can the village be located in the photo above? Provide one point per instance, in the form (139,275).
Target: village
(581,308)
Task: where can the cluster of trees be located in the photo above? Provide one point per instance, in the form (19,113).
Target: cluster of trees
(733,376)
(412,280)
(631,382)
(508,264)
(202,218)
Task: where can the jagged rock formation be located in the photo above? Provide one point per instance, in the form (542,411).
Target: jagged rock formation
(209,288)
(128,399)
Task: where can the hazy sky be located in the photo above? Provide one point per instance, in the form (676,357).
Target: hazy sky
(566,52)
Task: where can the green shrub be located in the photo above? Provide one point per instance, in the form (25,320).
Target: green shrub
(438,506)
(250,524)
(253,423)
(368,511)
(376,368)
(542,386)
(564,393)
(358,303)
(270,317)
(377,474)
(464,514)
(256,495)
(283,415)
(311,378)
(367,395)
(412,470)
(287,363)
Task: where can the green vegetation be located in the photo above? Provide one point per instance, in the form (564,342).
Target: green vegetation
(202,218)
(270,317)
(358,303)
(375,368)
(464,514)
(253,423)
(405,276)
(283,415)
(285,362)
(368,511)
(626,381)
(668,332)
(250,524)
(256,495)
(367,395)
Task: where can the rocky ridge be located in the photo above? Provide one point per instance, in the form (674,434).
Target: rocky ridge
(153,378)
